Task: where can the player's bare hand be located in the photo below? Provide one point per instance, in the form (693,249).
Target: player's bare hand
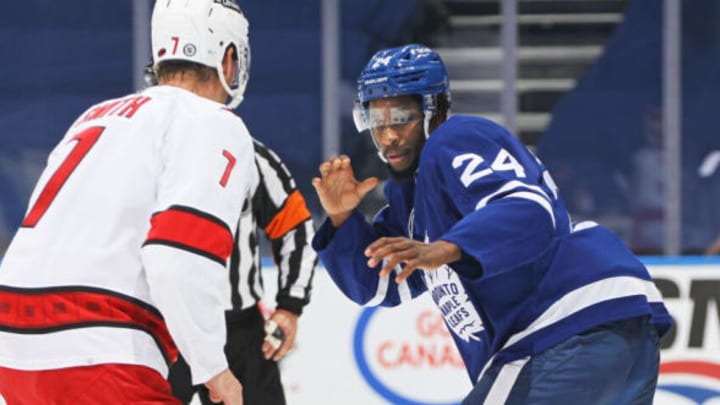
(338,189)
(225,388)
(714,248)
(288,323)
(414,254)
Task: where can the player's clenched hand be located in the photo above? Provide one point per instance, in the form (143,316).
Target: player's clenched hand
(225,388)
(338,190)
(288,322)
(414,254)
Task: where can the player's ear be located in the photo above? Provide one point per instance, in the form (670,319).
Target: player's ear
(441,112)
(438,118)
(229,64)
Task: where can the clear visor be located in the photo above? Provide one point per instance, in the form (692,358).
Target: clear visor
(370,118)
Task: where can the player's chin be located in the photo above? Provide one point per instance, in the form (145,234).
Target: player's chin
(399,166)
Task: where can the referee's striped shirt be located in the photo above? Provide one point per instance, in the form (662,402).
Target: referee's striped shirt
(278,208)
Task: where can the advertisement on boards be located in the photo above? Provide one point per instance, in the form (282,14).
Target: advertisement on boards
(405,355)
(350,354)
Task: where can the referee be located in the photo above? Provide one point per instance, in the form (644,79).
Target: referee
(278,208)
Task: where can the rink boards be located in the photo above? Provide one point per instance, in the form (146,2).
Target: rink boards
(353,355)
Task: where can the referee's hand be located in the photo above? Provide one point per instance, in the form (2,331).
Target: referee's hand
(288,323)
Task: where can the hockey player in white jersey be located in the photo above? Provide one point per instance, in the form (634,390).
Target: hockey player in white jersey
(121,259)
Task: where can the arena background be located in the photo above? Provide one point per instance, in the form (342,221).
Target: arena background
(617,97)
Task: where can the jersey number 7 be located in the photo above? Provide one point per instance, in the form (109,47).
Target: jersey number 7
(85,141)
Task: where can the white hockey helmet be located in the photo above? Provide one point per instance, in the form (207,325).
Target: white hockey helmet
(200,31)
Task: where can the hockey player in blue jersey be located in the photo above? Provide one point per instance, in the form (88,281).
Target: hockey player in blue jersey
(542,310)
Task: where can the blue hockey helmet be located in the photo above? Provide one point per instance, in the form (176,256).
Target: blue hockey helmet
(406,70)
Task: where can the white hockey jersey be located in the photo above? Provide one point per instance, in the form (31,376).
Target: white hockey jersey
(122,255)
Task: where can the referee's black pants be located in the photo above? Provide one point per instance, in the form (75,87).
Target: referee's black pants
(259,377)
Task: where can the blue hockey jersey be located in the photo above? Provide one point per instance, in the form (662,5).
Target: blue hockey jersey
(529,278)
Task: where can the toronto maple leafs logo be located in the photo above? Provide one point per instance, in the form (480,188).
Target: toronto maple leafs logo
(450,297)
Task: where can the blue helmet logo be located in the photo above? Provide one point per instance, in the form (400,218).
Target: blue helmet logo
(410,69)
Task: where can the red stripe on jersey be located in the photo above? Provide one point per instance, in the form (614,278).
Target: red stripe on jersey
(192,230)
(291,215)
(52,309)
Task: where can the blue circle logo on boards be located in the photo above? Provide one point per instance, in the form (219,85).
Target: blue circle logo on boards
(396,349)
(695,381)
(389,346)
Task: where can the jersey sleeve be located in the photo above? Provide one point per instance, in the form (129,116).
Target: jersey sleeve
(282,213)
(494,184)
(205,178)
(341,251)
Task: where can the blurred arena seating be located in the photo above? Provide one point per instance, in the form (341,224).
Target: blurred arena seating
(605,141)
(589,92)
(557,41)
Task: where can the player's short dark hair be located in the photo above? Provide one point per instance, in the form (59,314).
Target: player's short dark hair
(443,103)
(171,68)
(442,100)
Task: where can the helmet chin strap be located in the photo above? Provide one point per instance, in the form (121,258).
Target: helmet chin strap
(430,108)
(426,123)
(379,151)
(380,155)
(235,97)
